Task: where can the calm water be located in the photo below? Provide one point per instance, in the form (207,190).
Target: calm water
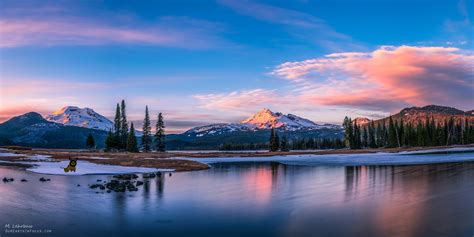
(252,199)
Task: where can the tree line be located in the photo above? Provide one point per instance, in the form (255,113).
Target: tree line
(398,133)
(123,138)
(284,144)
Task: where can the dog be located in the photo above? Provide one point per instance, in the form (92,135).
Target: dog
(72,165)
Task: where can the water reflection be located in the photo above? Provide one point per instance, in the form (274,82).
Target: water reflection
(256,199)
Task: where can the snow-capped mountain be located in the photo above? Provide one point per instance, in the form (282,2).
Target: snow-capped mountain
(264,119)
(32,130)
(80,117)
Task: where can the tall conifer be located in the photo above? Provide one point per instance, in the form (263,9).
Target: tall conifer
(146,137)
(160,134)
(132,140)
(123,126)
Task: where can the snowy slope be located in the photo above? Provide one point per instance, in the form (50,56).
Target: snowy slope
(80,117)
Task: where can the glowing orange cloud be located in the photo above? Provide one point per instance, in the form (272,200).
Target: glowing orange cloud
(385,79)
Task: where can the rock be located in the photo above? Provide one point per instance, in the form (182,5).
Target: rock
(108,191)
(94,186)
(139,183)
(99,180)
(24,180)
(126,176)
(149,175)
(116,186)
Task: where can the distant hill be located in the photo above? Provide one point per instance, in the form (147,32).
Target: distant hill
(32,130)
(438,113)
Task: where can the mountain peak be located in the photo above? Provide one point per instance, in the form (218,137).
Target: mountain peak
(80,117)
(361,120)
(30,115)
(264,116)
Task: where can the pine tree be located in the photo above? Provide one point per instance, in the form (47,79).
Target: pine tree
(372,142)
(356,137)
(401,135)
(380,135)
(365,138)
(132,140)
(109,141)
(284,144)
(146,137)
(160,134)
(276,143)
(392,134)
(90,143)
(271,139)
(123,126)
(274,140)
(348,132)
(117,127)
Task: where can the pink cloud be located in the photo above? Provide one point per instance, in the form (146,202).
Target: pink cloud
(385,79)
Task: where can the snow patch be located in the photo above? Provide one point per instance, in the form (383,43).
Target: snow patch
(85,167)
(38,158)
(9,154)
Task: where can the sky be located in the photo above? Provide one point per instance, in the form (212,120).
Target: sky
(201,62)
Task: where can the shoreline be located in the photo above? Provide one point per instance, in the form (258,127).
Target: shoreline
(186,161)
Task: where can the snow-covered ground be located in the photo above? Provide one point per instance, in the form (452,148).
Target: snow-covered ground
(9,154)
(98,158)
(38,158)
(43,165)
(402,158)
(85,167)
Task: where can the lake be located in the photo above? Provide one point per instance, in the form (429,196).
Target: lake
(251,199)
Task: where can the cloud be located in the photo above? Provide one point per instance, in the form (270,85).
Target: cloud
(244,100)
(385,79)
(301,25)
(273,14)
(60,30)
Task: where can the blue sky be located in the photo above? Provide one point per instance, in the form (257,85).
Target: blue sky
(220,61)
